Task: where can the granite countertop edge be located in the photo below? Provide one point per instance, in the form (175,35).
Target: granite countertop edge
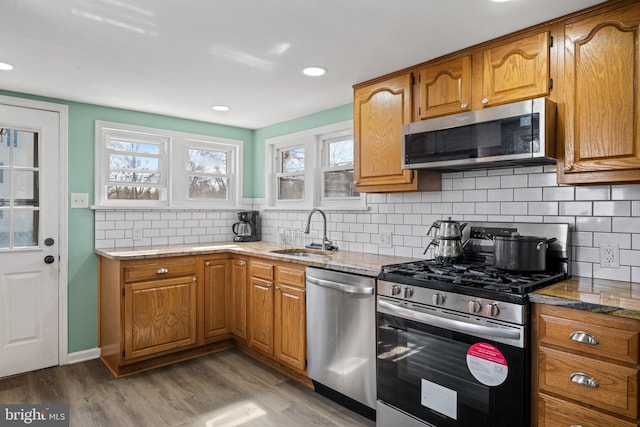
(613,297)
(367,264)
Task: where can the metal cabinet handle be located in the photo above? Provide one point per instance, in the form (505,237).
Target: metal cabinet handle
(584,337)
(355,182)
(269,284)
(162,270)
(485,101)
(277,287)
(575,425)
(207,263)
(242,263)
(568,168)
(584,379)
(193,279)
(464,106)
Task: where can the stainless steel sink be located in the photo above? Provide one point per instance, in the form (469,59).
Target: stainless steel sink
(303,252)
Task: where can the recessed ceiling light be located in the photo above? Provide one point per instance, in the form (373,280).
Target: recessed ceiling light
(220,108)
(314,71)
(5,67)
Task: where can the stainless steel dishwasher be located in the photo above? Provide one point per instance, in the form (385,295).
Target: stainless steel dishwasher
(341,338)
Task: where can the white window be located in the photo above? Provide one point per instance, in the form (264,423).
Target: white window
(312,168)
(146,167)
(337,169)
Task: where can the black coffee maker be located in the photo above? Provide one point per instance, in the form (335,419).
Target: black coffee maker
(248,227)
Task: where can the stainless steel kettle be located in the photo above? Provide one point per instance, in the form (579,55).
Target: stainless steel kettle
(448,241)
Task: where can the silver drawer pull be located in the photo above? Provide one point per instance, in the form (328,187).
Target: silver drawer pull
(584,337)
(584,379)
(162,270)
(575,425)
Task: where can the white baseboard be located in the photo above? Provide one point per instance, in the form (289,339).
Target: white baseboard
(84,355)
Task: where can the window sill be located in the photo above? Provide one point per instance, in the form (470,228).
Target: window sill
(324,208)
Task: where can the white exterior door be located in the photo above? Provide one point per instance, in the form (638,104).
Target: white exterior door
(29,234)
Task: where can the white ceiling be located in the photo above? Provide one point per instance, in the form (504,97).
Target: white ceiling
(179,57)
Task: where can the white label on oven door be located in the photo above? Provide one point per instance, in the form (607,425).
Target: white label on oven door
(487,364)
(439,399)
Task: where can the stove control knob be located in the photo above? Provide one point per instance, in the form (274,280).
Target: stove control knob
(438,298)
(408,292)
(395,290)
(475,306)
(492,310)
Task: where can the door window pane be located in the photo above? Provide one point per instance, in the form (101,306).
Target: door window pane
(26,188)
(25,228)
(25,148)
(4,229)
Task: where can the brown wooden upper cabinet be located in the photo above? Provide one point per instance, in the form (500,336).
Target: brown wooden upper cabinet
(602,97)
(445,88)
(516,70)
(380,110)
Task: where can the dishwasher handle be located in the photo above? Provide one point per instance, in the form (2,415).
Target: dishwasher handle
(343,287)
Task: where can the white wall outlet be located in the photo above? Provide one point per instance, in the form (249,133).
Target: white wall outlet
(79,200)
(137,233)
(385,239)
(609,255)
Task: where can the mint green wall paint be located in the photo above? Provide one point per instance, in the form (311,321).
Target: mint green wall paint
(82,263)
(326,117)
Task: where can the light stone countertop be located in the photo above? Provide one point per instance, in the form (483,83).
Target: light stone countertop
(596,295)
(346,261)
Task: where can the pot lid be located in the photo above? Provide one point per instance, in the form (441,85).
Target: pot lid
(515,236)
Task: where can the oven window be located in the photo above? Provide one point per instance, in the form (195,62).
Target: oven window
(423,371)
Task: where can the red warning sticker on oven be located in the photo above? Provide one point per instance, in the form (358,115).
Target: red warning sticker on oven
(487,364)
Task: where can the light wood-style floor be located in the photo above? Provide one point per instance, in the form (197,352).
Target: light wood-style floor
(225,389)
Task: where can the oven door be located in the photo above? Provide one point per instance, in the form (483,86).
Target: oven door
(446,376)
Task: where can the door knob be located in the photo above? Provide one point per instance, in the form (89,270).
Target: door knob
(49,259)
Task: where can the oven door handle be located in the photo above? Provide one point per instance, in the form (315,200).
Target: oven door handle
(443,322)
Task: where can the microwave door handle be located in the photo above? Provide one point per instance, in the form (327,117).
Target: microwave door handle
(456,325)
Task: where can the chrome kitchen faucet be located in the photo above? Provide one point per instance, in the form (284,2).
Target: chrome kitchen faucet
(327,245)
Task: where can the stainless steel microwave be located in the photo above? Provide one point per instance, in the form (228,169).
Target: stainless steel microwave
(520,133)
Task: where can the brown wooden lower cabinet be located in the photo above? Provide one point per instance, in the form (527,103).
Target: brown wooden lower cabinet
(158,311)
(585,368)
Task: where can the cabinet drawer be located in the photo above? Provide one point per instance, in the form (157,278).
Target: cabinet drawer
(291,276)
(554,412)
(159,268)
(261,270)
(587,333)
(616,389)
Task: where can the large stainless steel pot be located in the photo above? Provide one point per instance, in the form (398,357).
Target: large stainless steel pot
(521,253)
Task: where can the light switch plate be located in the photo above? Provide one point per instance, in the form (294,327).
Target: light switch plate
(79,200)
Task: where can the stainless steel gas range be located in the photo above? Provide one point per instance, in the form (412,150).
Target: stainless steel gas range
(453,339)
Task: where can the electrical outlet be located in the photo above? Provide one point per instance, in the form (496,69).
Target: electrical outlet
(79,200)
(609,255)
(137,233)
(385,239)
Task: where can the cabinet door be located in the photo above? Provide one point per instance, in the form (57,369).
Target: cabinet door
(261,315)
(602,98)
(239,298)
(380,110)
(445,88)
(159,316)
(517,70)
(216,311)
(290,326)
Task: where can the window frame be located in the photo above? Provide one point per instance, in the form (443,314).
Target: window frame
(325,140)
(313,141)
(174,163)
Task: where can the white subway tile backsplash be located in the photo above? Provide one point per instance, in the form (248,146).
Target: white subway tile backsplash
(596,214)
(513,181)
(576,208)
(527,194)
(619,208)
(558,193)
(622,239)
(593,193)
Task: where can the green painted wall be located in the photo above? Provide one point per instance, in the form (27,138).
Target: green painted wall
(82,264)
(326,117)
